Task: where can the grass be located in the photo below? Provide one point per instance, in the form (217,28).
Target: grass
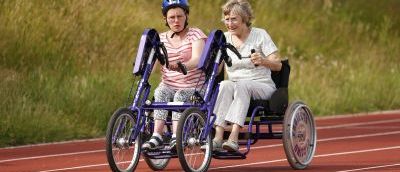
(65,66)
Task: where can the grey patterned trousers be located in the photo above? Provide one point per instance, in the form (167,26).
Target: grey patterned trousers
(164,93)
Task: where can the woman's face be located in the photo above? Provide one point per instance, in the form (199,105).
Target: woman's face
(234,23)
(176,19)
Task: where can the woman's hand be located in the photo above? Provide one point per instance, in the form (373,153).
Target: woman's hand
(257,59)
(272,61)
(174,67)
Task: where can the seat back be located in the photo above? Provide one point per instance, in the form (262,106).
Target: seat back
(281,78)
(278,102)
(280,98)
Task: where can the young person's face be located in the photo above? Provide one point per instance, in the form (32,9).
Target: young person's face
(176,19)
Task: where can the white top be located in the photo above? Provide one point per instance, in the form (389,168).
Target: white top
(244,69)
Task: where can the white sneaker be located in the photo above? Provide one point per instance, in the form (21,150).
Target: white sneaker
(217,146)
(154,143)
(230,146)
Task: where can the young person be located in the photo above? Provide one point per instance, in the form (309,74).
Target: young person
(184,44)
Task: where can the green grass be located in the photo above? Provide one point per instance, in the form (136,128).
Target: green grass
(65,66)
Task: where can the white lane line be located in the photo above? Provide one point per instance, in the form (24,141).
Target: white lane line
(49,156)
(54,143)
(74,168)
(317,156)
(358,136)
(79,167)
(361,114)
(358,124)
(249,164)
(359,151)
(369,168)
(260,147)
(332,139)
(256,147)
(317,118)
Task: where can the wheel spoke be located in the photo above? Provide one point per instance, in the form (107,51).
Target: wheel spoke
(191,156)
(122,152)
(299,135)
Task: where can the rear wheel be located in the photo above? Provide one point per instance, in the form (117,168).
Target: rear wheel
(122,150)
(192,156)
(299,135)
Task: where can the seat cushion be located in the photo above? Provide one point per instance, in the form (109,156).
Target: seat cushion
(276,105)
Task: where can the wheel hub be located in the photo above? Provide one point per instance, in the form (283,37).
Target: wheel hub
(192,142)
(122,143)
(301,136)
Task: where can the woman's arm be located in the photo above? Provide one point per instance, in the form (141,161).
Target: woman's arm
(156,67)
(272,61)
(197,49)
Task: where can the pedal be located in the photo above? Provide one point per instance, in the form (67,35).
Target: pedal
(160,153)
(228,155)
(196,98)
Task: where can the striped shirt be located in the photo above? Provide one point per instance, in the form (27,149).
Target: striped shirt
(183,53)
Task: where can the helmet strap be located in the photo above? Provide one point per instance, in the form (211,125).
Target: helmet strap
(175,33)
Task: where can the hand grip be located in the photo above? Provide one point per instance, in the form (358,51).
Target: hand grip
(252,52)
(182,67)
(165,54)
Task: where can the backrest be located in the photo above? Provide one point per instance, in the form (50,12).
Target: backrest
(281,78)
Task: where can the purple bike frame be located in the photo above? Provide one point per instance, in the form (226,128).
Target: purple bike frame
(144,66)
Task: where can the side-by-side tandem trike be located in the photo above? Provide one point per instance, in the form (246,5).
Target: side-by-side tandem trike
(130,126)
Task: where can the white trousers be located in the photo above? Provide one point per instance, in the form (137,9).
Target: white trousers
(233,100)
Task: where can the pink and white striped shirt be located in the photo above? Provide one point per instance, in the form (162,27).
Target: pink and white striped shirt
(183,53)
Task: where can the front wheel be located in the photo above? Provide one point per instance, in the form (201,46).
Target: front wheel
(154,164)
(122,150)
(194,152)
(157,164)
(299,135)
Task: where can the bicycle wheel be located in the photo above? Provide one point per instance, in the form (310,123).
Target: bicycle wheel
(122,152)
(157,164)
(188,143)
(154,164)
(299,135)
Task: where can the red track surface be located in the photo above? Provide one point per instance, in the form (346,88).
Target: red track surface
(346,143)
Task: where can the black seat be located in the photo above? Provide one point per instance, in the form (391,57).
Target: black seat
(278,102)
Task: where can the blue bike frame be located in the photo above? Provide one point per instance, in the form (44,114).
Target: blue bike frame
(144,65)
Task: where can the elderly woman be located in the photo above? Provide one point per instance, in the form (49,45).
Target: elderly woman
(249,78)
(183,44)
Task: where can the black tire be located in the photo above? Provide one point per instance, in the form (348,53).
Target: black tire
(188,145)
(157,164)
(119,148)
(299,135)
(154,164)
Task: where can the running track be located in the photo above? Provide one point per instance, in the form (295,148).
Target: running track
(347,143)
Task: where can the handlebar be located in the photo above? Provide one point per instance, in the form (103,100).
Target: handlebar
(253,51)
(182,67)
(233,49)
(227,59)
(164,56)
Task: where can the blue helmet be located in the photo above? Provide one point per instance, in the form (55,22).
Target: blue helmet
(168,4)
